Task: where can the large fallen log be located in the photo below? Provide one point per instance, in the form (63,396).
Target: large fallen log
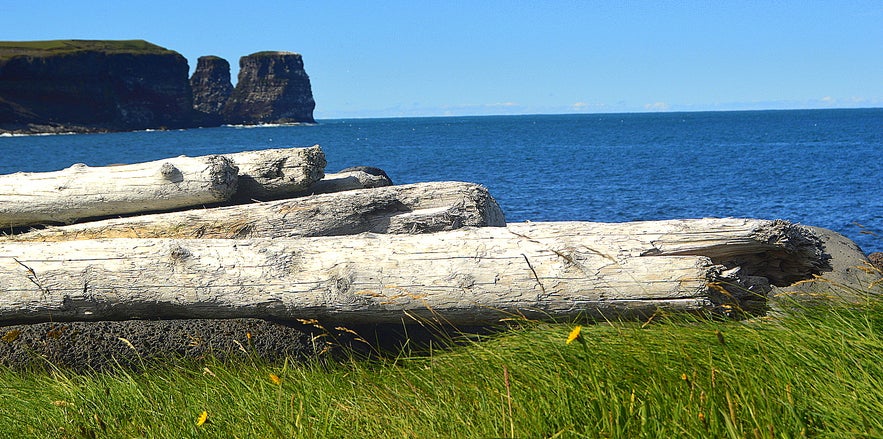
(272,174)
(414,208)
(81,191)
(465,276)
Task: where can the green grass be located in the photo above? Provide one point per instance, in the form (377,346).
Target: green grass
(817,373)
(56,47)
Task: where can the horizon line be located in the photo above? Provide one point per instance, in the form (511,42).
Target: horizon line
(429,116)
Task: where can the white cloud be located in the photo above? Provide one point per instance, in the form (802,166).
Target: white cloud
(656,106)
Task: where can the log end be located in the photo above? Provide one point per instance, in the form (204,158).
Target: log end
(275,174)
(223,175)
(793,264)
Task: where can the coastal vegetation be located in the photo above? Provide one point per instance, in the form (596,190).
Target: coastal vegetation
(816,372)
(58,47)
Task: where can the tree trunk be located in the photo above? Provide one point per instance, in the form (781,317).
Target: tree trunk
(415,208)
(467,276)
(83,192)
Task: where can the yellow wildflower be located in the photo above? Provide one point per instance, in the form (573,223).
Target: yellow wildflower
(202,418)
(574,335)
(275,378)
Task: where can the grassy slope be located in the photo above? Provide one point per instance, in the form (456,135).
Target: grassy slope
(57,47)
(815,374)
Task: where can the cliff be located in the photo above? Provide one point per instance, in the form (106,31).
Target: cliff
(211,88)
(94,86)
(273,87)
(83,86)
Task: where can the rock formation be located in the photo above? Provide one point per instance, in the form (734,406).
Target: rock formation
(75,85)
(93,86)
(211,88)
(876,259)
(272,88)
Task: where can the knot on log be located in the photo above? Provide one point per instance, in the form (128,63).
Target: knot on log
(171,173)
(179,253)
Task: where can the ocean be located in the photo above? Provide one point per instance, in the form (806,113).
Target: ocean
(816,167)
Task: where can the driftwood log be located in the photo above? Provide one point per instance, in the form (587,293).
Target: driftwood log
(465,276)
(272,174)
(82,192)
(414,208)
(347,180)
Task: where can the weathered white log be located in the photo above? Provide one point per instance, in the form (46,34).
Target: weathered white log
(271,174)
(83,192)
(465,276)
(346,181)
(414,208)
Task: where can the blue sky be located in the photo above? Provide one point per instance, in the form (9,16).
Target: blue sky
(416,58)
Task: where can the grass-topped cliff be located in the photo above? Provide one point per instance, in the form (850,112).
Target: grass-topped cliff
(92,85)
(120,85)
(10,49)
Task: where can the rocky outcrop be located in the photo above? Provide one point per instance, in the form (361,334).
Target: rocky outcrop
(93,86)
(272,88)
(74,85)
(876,259)
(211,88)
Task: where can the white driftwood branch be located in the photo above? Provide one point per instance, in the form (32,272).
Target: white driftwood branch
(83,192)
(465,276)
(414,208)
(272,174)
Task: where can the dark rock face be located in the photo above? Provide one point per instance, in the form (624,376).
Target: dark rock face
(95,85)
(273,88)
(211,88)
(84,88)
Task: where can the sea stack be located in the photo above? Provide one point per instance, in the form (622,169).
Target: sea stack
(211,88)
(272,88)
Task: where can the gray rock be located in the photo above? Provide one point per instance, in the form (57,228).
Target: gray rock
(848,276)
(876,259)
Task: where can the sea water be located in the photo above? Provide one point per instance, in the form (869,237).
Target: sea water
(816,167)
